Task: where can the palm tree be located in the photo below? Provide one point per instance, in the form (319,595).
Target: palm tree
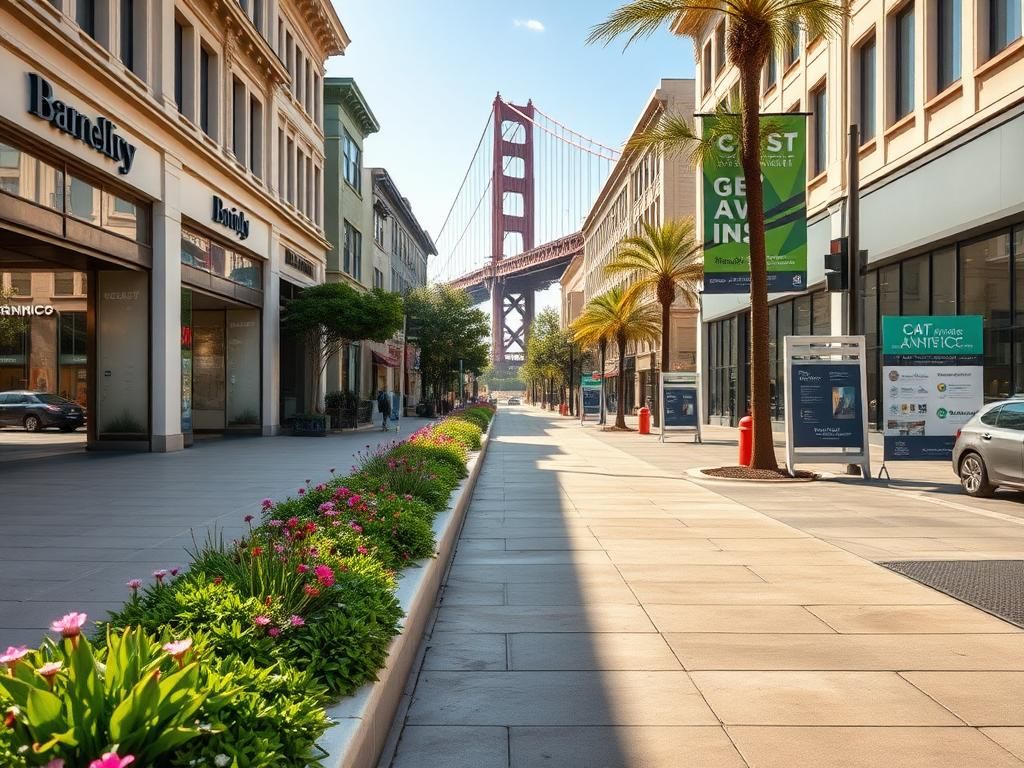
(663,261)
(756,29)
(618,316)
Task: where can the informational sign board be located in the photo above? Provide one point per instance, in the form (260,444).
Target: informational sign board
(826,417)
(591,397)
(680,403)
(726,229)
(932,382)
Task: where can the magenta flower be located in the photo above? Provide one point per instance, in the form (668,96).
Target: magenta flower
(355,526)
(175,572)
(55,763)
(111,760)
(408,497)
(70,626)
(327,506)
(12,656)
(267,503)
(278,548)
(362,550)
(324,575)
(275,523)
(274,631)
(301,568)
(297,621)
(249,518)
(261,621)
(49,671)
(159,576)
(302,491)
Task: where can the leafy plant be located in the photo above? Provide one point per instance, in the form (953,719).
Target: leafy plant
(465,432)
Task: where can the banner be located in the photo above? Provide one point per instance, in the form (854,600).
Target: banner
(932,382)
(827,405)
(726,231)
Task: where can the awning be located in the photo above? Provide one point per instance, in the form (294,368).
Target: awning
(384,360)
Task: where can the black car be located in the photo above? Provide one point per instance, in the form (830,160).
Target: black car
(36,411)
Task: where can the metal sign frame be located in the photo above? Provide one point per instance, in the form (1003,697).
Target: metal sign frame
(826,350)
(681,380)
(583,410)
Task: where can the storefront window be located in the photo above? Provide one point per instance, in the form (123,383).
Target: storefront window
(83,200)
(821,313)
(125,218)
(73,357)
(29,178)
(802,316)
(916,293)
(944,281)
(202,253)
(985,290)
(889,290)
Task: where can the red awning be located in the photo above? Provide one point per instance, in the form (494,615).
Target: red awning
(384,360)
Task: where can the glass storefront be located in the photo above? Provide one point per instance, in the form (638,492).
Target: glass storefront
(210,256)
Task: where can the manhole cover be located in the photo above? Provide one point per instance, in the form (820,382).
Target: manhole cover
(996,586)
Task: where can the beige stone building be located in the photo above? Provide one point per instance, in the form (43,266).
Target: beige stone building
(937,89)
(169,154)
(643,186)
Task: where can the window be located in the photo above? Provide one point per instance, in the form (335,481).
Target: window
(21,283)
(378,228)
(238,109)
(914,281)
(948,45)
(866,69)
(179,61)
(63,283)
(719,49)
(353,253)
(85,15)
(128,33)
(378,278)
(985,291)
(943,282)
(1003,24)
(821,313)
(204,90)
(904,62)
(819,101)
(1011,416)
(352,169)
(771,73)
(257,15)
(255,137)
(705,67)
(84,201)
(989,418)
(793,50)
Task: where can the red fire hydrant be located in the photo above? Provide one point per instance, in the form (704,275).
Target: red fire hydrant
(645,421)
(746,440)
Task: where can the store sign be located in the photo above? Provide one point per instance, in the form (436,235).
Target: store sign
(932,382)
(26,310)
(98,133)
(232,218)
(726,229)
(297,262)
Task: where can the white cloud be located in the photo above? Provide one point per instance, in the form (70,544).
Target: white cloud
(531,24)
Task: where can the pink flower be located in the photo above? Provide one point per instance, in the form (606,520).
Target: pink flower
(302,491)
(134,584)
(301,568)
(12,656)
(55,763)
(408,497)
(293,522)
(297,621)
(70,626)
(249,518)
(324,575)
(267,503)
(49,671)
(178,649)
(362,550)
(159,576)
(261,621)
(278,548)
(310,590)
(273,631)
(326,507)
(355,526)
(175,572)
(111,760)
(275,523)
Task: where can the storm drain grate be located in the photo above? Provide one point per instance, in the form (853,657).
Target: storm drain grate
(996,586)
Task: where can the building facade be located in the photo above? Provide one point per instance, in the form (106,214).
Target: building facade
(644,186)
(170,155)
(937,90)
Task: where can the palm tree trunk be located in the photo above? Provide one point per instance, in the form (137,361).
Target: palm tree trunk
(603,348)
(666,352)
(620,387)
(763,455)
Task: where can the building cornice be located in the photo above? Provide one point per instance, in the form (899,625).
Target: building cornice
(345,92)
(325,25)
(382,178)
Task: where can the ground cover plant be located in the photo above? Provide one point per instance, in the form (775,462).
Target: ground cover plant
(233,661)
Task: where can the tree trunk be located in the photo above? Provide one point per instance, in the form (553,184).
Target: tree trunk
(763,454)
(620,387)
(603,348)
(666,351)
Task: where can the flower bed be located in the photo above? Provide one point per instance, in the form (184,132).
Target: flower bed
(233,662)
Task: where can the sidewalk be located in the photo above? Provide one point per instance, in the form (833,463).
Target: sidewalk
(601,611)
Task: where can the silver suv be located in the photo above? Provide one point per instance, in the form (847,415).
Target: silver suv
(989,449)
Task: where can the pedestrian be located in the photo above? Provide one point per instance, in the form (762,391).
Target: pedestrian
(384,406)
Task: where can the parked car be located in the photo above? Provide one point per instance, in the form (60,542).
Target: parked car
(36,411)
(989,449)
(514,401)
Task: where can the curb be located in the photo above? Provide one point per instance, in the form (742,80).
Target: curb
(363,720)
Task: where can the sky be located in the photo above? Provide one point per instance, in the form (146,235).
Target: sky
(429,70)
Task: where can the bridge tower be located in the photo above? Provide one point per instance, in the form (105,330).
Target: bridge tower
(512,208)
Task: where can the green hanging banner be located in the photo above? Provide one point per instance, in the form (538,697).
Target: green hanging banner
(726,231)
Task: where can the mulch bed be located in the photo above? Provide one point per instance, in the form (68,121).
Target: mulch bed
(617,429)
(746,473)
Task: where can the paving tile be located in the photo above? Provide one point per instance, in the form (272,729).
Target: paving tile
(571,592)
(689,573)
(581,651)
(978,698)
(458,592)
(910,619)
(466,651)
(565,618)
(1010,739)
(516,573)
(818,698)
(552,543)
(531,558)
(868,748)
(558,698)
(791,593)
(734,618)
(622,747)
(452,746)
(848,652)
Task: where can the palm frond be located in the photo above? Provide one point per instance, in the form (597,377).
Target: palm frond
(642,18)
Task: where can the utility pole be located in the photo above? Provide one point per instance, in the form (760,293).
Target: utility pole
(853,296)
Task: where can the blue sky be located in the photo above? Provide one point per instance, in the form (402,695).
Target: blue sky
(430,68)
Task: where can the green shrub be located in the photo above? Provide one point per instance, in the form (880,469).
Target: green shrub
(449,452)
(465,432)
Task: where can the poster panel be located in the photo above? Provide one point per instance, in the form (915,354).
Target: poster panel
(828,405)
(590,396)
(932,382)
(726,230)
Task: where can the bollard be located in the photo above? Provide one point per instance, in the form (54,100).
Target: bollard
(746,440)
(645,421)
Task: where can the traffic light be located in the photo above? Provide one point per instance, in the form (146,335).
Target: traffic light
(837,265)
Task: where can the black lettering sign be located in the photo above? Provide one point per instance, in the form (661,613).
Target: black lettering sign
(232,218)
(98,133)
(305,266)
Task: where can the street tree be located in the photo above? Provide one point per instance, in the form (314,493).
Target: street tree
(617,316)
(11,326)
(663,262)
(756,30)
(547,350)
(330,317)
(447,328)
